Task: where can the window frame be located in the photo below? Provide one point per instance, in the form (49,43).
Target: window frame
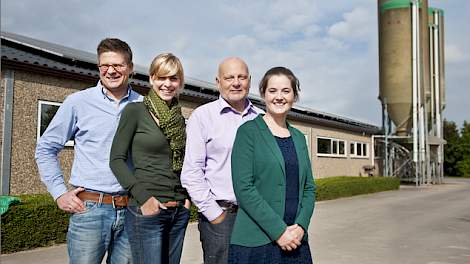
(362,146)
(333,142)
(69,143)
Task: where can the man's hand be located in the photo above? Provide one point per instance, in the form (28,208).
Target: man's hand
(70,203)
(152,206)
(187,204)
(288,240)
(219,218)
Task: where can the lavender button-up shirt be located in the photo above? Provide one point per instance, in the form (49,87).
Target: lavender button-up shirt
(206,173)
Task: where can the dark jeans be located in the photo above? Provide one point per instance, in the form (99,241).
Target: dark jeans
(157,238)
(215,239)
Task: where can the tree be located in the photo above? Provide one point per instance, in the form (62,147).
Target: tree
(452,153)
(462,166)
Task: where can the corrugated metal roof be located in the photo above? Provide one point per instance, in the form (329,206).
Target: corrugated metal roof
(52,48)
(24,50)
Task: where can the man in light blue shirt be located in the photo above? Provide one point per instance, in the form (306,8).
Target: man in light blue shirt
(97,201)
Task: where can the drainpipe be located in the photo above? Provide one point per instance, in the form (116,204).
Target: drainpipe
(7,132)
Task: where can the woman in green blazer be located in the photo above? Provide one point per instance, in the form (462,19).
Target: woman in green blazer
(272,179)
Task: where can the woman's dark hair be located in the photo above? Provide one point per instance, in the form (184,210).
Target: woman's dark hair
(263,84)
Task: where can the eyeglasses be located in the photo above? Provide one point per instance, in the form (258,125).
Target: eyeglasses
(116,67)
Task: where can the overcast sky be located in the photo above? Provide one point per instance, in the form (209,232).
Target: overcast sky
(331,45)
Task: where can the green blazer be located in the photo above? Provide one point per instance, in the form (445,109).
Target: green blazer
(259,182)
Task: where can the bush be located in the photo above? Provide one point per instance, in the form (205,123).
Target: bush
(345,186)
(37,221)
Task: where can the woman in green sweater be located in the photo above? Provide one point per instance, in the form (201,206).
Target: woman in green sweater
(272,179)
(151,136)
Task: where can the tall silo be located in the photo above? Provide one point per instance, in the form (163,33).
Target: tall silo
(395,60)
(395,53)
(406,80)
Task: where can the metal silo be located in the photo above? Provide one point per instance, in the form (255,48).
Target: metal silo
(407,81)
(395,53)
(395,60)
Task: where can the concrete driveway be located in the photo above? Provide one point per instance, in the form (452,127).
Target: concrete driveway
(424,225)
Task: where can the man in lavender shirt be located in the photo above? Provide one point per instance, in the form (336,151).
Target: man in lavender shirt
(206,173)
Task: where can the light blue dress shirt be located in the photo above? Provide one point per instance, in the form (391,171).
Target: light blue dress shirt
(91,118)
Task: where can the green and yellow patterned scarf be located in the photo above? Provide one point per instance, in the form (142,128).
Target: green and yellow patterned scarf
(172,124)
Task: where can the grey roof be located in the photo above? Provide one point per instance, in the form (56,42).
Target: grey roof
(21,50)
(51,48)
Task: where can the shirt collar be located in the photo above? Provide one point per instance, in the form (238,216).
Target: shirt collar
(225,107)
(105,95)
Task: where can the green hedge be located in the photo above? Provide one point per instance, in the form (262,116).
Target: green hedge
(37,221)
(345,186)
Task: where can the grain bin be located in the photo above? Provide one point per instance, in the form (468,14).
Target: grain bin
(395,60)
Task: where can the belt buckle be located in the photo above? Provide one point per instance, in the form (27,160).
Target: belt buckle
(112,201)
(116,199)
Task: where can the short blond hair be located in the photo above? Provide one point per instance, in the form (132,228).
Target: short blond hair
(166,64)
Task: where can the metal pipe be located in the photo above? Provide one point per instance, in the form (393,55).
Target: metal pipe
(432,70)
(414,18)
(386,132)
(422,143)
(427,150)
(437,92)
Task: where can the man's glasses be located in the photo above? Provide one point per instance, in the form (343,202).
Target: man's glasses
(116,67)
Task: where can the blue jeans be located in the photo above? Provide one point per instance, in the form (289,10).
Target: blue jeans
(98,230)
(157,238)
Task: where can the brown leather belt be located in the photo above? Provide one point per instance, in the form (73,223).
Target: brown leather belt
(170,204)
(118,201)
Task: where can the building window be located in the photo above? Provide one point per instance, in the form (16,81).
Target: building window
(323,146)
(46,111)
(341,148)
(331,147)
(359,150)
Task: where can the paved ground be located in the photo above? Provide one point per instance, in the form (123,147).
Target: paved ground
(425,225)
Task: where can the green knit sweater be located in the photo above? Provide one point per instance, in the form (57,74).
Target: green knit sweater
(138,137)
